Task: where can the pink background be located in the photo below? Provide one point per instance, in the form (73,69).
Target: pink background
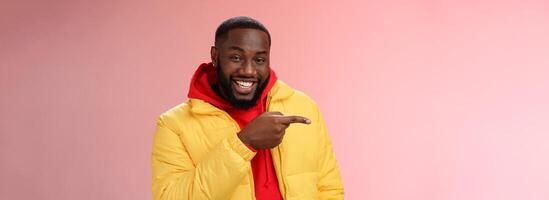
(425,100)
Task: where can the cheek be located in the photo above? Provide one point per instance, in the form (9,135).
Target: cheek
(227,70)
(264,73)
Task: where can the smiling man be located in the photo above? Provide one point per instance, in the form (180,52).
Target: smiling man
(243,134)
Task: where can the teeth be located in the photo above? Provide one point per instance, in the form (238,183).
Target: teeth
(244,84)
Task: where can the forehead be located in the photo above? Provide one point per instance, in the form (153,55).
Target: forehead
(246,38)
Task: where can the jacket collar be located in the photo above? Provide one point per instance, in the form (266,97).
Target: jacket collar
(280,91)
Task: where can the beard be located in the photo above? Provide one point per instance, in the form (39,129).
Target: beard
(225,86)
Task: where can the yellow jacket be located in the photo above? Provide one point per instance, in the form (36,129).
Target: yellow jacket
(197,154)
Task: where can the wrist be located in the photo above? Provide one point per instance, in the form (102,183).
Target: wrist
(244,140)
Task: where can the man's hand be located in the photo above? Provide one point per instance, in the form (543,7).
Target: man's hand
(267,130)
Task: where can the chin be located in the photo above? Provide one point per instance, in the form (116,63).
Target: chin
(244,98)
(244,102)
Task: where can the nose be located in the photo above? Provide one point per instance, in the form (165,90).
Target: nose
(248,69)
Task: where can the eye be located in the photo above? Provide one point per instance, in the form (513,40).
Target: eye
(235,58)
(260,60)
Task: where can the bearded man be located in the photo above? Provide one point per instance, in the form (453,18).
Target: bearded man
(243,134)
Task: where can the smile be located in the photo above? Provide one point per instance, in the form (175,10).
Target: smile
(243,87)
(244,84)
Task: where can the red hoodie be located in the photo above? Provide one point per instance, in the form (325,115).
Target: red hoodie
(265,181)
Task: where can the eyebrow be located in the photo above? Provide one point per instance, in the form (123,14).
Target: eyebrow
(242,50)
(236,48)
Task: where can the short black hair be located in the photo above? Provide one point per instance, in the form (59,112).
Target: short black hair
(239,22)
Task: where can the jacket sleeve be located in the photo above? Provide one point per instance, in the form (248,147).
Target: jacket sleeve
(215,176)
(330,186)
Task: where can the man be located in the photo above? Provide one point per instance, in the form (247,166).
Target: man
(243,134)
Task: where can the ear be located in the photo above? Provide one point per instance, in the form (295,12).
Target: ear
(213,54)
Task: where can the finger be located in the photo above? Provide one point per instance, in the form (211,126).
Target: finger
(293,119)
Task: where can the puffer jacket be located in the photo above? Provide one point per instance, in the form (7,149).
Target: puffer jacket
(197,154)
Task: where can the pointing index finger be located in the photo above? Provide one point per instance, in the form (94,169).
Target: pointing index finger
(294,119)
